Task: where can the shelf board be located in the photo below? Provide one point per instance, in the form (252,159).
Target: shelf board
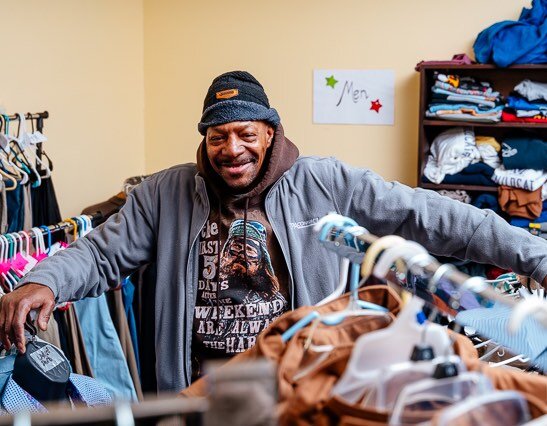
(454,187)
(483,67)
(448,123)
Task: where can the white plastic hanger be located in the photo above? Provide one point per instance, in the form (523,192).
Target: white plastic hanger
(374,351)
(441,391)
(487,409)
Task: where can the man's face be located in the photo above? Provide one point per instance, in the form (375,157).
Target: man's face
(237,150)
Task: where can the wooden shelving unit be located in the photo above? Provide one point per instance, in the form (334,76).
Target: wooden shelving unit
(503,80)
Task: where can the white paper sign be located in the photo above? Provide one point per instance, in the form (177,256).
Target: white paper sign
(353,96)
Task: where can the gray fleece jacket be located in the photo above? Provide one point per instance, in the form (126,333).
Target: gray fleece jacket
(162,218)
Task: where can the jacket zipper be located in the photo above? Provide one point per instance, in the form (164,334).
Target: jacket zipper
(281,245)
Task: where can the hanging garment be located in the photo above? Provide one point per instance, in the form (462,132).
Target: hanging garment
(77,343)
(493,322)
(51,334)
(27,207)
(3,208)
(80,389)
(6,368)
(103,347)
(119,319)
(270,344)
(45,209)
(144,305)
(515,42)
(107,208)
(305,379)
(128,293)
(519,202)
(16,211)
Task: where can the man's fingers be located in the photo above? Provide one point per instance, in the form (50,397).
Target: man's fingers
(18,324)
(4,325)
(45,314)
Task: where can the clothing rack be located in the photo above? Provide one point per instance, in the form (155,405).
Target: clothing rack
(29,116)
(137,411)
(39,117)
(428,267)
(61,226)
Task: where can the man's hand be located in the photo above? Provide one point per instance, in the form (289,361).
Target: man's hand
(14,308)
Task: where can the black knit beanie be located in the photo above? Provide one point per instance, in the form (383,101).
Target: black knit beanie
(236,96)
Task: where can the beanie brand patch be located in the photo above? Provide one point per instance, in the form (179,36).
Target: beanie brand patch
(227,94)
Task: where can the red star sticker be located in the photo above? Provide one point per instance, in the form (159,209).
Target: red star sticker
(376,105)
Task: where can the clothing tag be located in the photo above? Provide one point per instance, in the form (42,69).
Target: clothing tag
(227,94)
(46,358)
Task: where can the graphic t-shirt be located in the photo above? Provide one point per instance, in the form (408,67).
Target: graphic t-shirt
(249,290)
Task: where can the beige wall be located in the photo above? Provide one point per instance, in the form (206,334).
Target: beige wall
(82,60)
(188,43)
(124,80)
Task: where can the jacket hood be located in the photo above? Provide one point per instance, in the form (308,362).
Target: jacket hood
(280,157)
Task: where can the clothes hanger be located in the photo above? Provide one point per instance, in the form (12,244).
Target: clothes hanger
(34,138)
(6,151)
(23,142)
(434,393)
(417,357)
(374,351)
(508,407)
(325,227)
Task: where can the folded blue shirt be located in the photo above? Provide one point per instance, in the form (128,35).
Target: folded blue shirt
(517,102)
(524,153)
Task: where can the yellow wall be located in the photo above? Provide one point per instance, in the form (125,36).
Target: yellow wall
(82,60)
(188,43)
(124,80)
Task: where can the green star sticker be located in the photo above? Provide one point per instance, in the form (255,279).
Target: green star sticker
(331,81)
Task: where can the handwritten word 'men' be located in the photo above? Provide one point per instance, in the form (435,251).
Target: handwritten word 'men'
(356,94)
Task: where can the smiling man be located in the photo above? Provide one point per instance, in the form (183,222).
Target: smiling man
(231,239)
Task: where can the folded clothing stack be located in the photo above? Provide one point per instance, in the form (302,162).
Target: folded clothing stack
(458,157)
(528,104)
(522,178)
(463,99)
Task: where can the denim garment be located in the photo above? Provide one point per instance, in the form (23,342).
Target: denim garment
(128,291)
(6,368)
(103,347)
